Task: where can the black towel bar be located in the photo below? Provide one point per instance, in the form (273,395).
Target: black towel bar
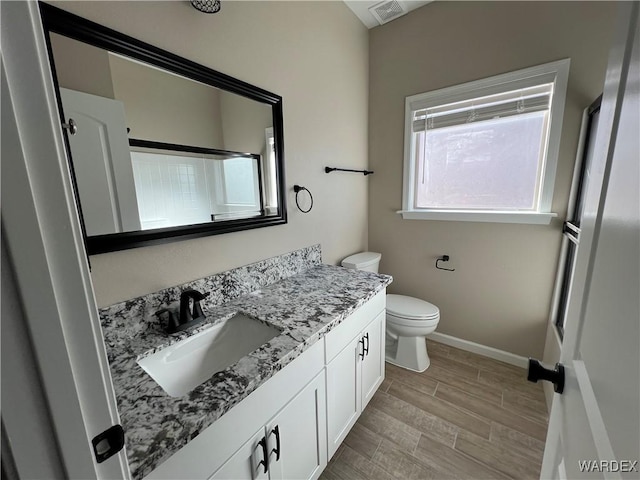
(333,169)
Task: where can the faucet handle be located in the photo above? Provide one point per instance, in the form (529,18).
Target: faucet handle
(172,322)
(197,309)
(185,315)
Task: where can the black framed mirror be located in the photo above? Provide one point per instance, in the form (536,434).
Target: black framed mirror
(161,148)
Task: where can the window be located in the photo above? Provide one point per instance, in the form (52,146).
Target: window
(571,228)
(485,150)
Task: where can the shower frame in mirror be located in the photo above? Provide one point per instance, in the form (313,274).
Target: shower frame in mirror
(146,146)
(58,21)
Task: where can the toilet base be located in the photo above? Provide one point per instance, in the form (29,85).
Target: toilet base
(409,353)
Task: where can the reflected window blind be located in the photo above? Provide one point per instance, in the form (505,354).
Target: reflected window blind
(515,102)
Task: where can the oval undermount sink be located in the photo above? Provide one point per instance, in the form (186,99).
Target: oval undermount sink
(183,366)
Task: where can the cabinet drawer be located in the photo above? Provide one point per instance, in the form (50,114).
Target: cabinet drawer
(341,336)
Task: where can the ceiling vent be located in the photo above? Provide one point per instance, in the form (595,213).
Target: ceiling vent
(387,10)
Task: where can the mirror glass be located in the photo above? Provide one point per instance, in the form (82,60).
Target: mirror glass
(176,187)
(160,153)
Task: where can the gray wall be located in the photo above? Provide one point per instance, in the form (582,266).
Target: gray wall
(313,54)
(500,293)
(82,67)
(163,107)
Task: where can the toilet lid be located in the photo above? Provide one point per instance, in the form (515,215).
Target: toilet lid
(411,308)
(361,260)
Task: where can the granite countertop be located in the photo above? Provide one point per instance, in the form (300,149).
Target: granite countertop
(305,307)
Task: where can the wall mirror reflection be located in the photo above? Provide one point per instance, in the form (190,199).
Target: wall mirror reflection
(163,149)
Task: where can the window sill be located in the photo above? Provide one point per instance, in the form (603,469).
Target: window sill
(530,218)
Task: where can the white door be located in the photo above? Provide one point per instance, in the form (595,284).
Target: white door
(101,163)
(373,362)
(297,437)
(44,241)
(594,425)
(343,393)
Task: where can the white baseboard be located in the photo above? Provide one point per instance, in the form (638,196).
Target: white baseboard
(473,347)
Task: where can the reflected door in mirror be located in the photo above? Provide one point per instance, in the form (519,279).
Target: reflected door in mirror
(102,163)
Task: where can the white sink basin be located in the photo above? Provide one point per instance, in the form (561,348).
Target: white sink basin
(181,367)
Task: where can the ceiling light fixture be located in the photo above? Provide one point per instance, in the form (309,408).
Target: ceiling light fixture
(206,6)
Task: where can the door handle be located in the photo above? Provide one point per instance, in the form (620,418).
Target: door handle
(538,372)
(265,456)
(366,349)
(276,432)
(362,353)
(71,125)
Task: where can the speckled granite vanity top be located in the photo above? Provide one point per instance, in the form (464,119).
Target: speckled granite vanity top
(305,306)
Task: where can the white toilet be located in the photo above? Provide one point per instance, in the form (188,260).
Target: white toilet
(409,320)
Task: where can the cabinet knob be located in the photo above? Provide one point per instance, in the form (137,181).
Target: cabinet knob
(71,125)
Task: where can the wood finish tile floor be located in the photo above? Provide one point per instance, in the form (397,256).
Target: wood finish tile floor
(466,417)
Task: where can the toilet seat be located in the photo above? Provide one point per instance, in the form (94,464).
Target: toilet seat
(413,322)
(411,309)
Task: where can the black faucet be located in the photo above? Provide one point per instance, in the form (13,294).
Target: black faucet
(185,299)
(187,318)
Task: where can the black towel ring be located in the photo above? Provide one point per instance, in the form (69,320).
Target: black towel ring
(298,189)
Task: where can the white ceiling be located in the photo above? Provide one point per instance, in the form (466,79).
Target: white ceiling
(361,9)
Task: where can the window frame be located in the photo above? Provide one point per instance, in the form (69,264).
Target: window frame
(554,72)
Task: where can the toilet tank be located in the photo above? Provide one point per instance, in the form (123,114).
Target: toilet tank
(367,261)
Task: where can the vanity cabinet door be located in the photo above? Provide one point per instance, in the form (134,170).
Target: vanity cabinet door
(353,377)
(297,437)
(373,362)
(343,393)
(245,463)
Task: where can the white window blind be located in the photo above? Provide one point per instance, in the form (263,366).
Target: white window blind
(490,107)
